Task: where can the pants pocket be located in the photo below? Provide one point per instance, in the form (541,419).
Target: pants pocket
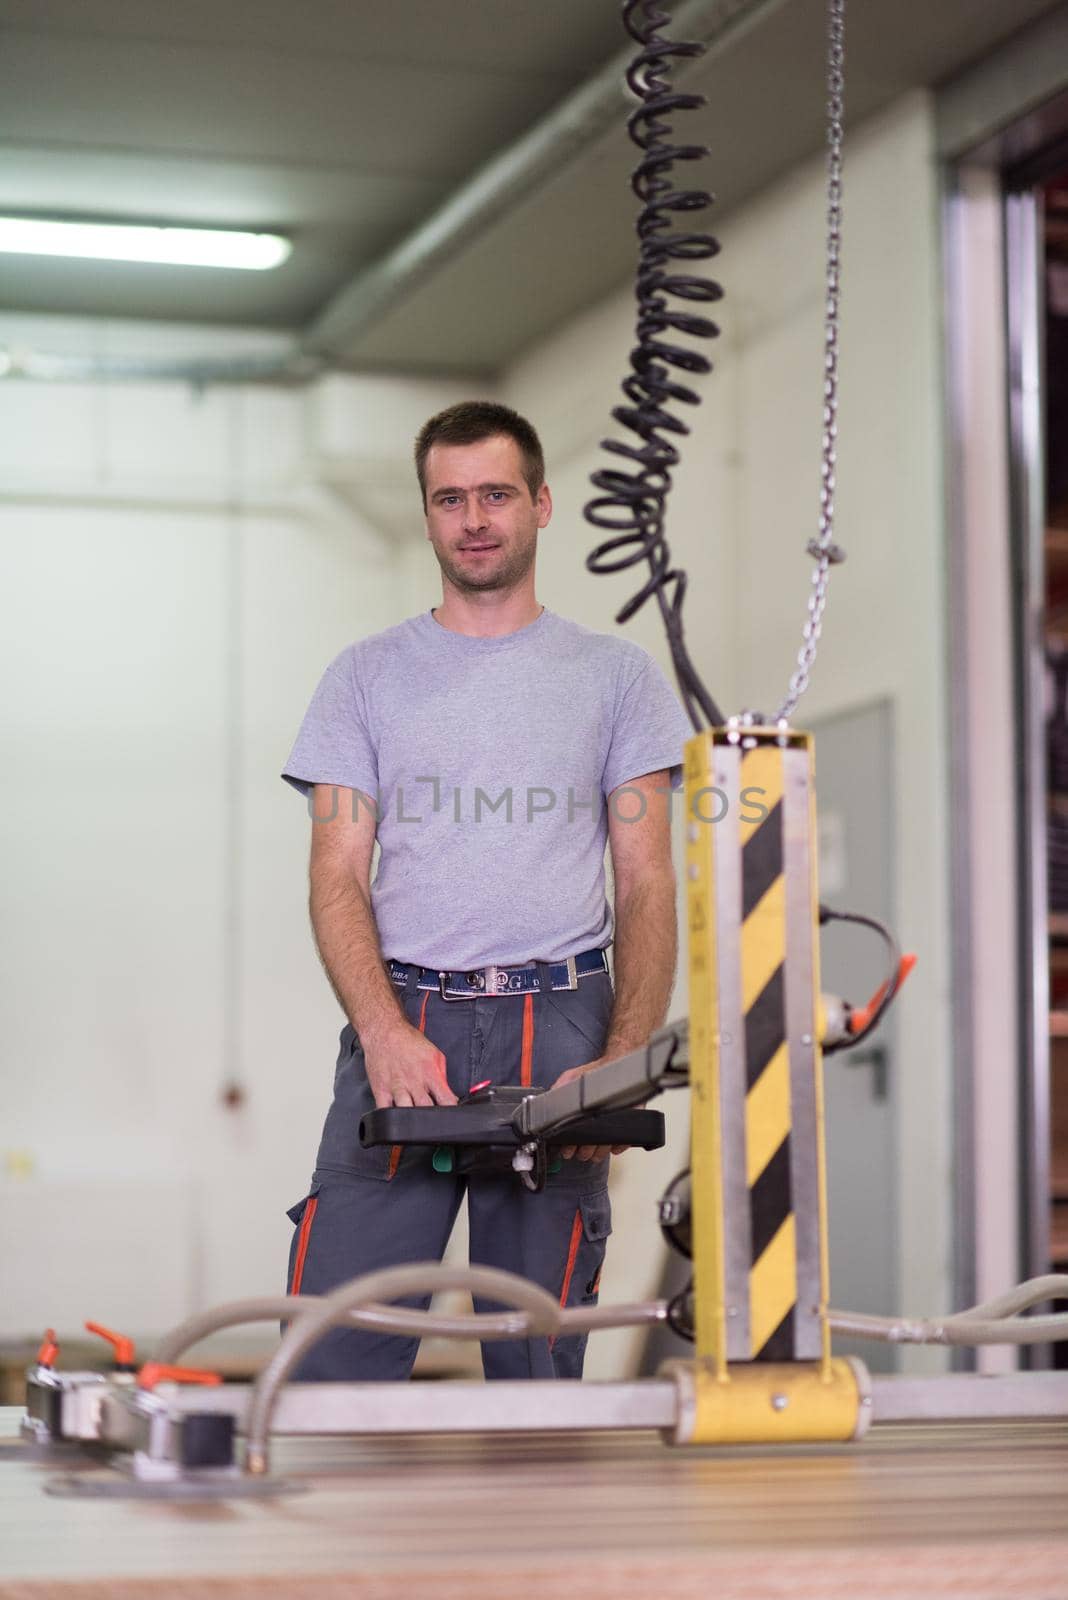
(596,1212)
(582,1276)
(340,1149)
(587,1008)
(590,1230)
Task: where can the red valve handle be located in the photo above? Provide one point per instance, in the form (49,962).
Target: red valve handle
(46,1355)
(154,1372)
(860,1018)
(123,1347)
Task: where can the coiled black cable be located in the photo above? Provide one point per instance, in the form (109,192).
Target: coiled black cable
(632,504)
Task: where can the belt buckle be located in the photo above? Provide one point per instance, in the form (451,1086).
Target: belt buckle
(572,973)
(486,985)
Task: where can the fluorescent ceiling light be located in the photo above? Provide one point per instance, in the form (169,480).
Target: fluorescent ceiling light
(112,241)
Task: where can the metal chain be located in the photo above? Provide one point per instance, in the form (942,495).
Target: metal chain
(823,548)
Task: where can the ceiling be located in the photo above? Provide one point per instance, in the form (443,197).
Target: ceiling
(346,125)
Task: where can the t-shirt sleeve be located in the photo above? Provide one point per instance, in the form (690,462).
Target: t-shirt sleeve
(650,730)
(334,744)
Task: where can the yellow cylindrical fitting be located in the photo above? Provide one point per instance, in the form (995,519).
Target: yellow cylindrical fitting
(765,1402)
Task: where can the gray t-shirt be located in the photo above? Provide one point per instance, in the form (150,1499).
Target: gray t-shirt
(490,763)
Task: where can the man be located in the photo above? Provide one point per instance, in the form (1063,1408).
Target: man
(493,748)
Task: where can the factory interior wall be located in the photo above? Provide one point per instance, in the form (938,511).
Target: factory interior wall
(180,566)
(176,578)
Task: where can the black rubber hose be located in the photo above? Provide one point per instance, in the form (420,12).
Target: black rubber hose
(632,501)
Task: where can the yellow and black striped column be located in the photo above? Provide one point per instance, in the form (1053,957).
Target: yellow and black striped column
(772,1277)
(757,1158)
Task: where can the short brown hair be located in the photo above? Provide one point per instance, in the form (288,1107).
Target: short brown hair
(471,421)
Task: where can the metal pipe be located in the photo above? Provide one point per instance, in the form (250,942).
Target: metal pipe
(360,1409)
(421,1277)
(950,1330)
(970,1397)
(1050,1286)
(509,178)
(405,1320)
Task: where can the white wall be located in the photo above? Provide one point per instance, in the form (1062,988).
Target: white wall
(175,580)
(743,508)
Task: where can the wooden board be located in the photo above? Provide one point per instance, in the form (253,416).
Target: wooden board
(975,1510)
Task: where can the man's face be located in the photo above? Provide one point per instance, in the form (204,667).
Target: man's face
(480,516)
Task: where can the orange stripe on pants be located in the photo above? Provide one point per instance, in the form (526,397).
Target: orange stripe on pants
(302,1243)
(569,1270)
(527,1059)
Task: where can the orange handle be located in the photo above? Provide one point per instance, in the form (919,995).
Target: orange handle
(860,1018)
(154,1372)
(46,1355)
(123,1347)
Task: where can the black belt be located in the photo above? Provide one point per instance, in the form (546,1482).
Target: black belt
(502,980)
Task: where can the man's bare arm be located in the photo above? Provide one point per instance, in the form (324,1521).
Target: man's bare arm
(646,933)
(645,940)
(403,1067)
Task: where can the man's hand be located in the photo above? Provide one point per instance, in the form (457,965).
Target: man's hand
(587,1152)
(405,1069)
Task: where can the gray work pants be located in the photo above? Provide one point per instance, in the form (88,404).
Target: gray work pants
(373,1208)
